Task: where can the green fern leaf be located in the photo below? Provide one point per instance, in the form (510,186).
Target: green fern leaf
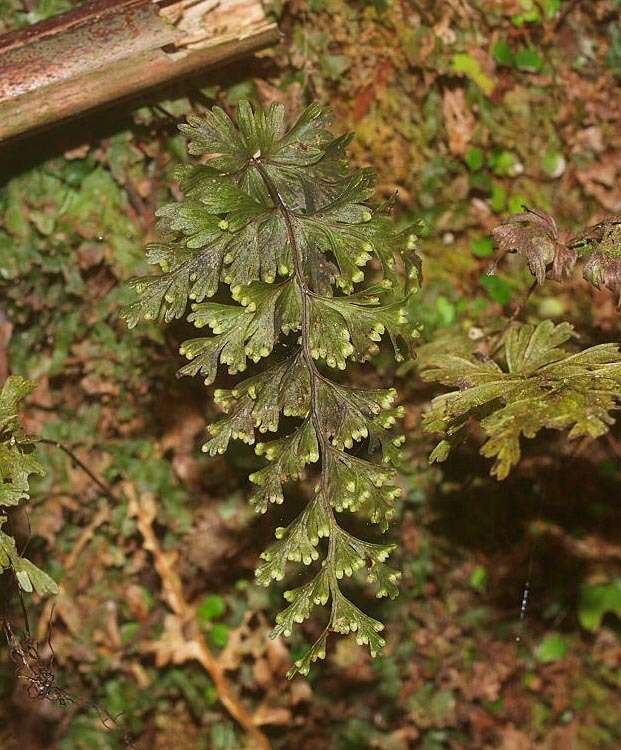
(542,386)
(316,276)
(17,463)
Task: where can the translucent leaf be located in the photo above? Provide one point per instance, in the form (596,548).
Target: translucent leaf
(260,129)
(38,579)
(347,618)
(296,542)
(284,389)
(190,275)
(304,143)
(352,553)
(239,425)
(13,392)
(215,133)
(348,415)
(28,575)
(17,458)
(316,651)
(543,386)
(270,202)
(361,486)
(17,463)
(385,578)
(528,349)
(303,600)
(288,456)
(532,234)
(345,327)
(247,331)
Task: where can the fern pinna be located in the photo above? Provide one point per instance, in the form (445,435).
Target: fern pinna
(278,217)
(18,462)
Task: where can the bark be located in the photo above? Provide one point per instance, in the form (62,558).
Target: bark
(108,51)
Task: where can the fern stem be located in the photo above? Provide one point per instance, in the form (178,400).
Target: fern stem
(314,374)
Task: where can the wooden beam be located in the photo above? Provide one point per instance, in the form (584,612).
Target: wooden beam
(108,51)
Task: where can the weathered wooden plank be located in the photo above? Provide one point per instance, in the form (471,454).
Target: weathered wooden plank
(108,51)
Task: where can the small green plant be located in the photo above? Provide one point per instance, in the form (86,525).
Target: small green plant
(316,276)
(17,462)
(529,379)
(536,383)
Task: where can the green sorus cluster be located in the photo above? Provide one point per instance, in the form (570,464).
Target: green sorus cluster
(277,216)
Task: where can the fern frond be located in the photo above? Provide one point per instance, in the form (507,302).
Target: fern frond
(317,277)
(540,385)
(17,463)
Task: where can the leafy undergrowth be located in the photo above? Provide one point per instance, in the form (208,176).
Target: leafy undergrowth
(470,112)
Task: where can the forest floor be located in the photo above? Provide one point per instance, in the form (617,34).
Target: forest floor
(468,110)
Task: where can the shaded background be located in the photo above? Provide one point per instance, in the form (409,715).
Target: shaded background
(468,109)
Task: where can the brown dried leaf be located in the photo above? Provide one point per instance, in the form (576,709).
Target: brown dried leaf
(563,263)
(601,180)
(244,641)
(137,602)
(459,121)
(603,268)
(267,714)
(90,254)
(48,519)
(514,739)
(533,235)
(173,646)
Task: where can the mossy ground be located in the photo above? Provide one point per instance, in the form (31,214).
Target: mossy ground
(468,110)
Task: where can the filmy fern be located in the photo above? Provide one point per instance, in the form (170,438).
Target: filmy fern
(552,254)
(17,462)
(276,215)
(539,385)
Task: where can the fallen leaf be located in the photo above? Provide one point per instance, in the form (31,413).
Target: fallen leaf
(514,739)
(534,235)
(6,329)
(458,119)
(173,646)
(602,180)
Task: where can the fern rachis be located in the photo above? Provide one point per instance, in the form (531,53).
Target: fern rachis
(271,203)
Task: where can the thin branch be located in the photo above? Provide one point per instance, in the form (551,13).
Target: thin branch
(80,464)
(567,9)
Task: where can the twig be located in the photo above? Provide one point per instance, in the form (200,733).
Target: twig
(564,13)
(104,52)
(144,510)
(592,547)
(102,515)
(103,487)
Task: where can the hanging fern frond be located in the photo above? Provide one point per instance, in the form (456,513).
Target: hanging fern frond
(537,383)
(18,462)
(317,276)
